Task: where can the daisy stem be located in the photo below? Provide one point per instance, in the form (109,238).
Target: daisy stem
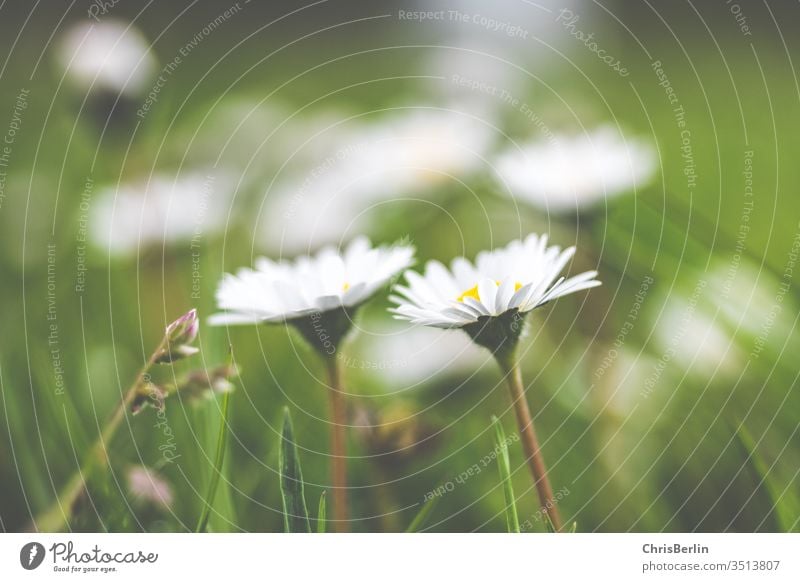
(530,444)
(57,516)
(338,421)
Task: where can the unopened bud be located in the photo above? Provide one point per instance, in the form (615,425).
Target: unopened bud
(179,334)
(184,329)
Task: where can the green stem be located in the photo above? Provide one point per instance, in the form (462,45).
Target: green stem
(219,458)
(530,443)
(338,421)
(57,516)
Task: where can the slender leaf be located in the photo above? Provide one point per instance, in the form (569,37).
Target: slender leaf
(219,458)
(295,512)
(504,467)
(321,514)
(548,524)
(423,516)
(780,502)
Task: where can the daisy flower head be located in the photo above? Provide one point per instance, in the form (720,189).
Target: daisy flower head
(110,56)
(344,170)
(569,173)
(317,294)
(160,210)
(490,297)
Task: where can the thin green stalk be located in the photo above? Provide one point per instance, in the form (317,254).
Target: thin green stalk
(219,459)
(422,517)
(57,516)
(504,467)
(321,514)
(530,443)
(295,512)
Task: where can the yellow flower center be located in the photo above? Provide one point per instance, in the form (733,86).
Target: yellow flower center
(346,286)
(473,292)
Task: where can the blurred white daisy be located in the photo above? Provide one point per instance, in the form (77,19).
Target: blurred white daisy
(108,56)
(515,279)
(575,172)
(329,281)
(347,168)
(403,356)
(414,149)
(163,209)
(696,341)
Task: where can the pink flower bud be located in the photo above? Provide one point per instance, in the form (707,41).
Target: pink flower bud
(184,329)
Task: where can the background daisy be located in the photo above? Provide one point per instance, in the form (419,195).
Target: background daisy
(567,173)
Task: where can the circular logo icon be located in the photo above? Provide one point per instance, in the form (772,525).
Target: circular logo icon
(31,555)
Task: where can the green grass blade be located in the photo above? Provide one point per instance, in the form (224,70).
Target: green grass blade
(504,467)
(781,504)
(423,516)
(295,513)
(321,514)
(219,458)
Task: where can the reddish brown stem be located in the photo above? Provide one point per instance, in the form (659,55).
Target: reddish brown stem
(338,422)
(530,444)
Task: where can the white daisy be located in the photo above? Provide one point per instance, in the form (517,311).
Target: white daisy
(163,209)
(330,280)
(513,280)
(575,172)
(109,56)
(489,300)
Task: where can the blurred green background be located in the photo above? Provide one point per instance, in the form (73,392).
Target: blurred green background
(638,388)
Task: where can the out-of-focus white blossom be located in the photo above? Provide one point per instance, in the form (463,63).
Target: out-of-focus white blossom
(107,56)
(404,154)
(163,209)
(575,172)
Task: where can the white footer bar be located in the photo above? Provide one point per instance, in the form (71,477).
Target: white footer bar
(389,557)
